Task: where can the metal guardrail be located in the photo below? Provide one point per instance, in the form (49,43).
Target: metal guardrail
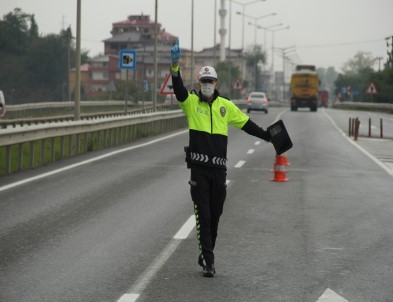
(34,146)
(51,117)
(379,107)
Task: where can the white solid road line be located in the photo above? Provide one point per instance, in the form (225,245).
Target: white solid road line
(369,155)
(85,162)
(137,288)
(331,296)
(186,228)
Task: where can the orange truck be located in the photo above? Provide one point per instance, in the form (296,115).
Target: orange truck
(304,88)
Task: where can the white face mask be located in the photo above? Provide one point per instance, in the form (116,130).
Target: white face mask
(207,89)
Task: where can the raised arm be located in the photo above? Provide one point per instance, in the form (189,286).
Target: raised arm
(178,86)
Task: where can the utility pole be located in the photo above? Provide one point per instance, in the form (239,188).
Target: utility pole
(68,62)
(389,63)
(192,45)
(155,59)
(78,63)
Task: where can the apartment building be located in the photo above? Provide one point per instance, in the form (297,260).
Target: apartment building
(137,33)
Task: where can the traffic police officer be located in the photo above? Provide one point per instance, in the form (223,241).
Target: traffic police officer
(208,115)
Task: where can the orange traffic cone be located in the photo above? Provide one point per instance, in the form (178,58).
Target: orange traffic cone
(279,168)
(279,174)
(282,160)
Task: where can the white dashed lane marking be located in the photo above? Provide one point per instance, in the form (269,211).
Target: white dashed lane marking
(240,163)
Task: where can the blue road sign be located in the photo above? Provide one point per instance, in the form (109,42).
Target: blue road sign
(127,59)
(145,86)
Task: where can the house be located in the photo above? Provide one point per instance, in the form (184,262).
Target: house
(104,71)
(137,33)
(84,78)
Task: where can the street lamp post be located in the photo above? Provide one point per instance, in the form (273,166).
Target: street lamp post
(265,29)
(243,14)
(255,38)
(285,51)
(273,32)
(273,73)
(256,22)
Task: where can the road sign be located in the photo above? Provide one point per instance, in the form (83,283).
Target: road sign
(127,59)
(237,85)
(167,87)
(371,89)
(145,86)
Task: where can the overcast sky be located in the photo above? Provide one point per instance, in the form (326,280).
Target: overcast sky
(325,32)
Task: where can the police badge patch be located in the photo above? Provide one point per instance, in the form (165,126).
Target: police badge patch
(223,111)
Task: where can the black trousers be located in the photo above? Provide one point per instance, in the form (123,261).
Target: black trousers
(208,192)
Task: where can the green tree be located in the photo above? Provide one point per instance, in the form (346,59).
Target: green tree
(227,73)
(254,57)
(384,84)
(358,73)
(360,62)
(34,68)
(15,33)
(46,63)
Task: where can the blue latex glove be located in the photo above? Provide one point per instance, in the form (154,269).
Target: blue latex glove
(175,52)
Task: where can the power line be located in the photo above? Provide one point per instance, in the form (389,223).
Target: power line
(341,44)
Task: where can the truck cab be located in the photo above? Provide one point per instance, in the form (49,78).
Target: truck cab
(304,87)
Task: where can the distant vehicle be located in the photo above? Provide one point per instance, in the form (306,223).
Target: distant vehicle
(323,98)
(257,101)
(2,104)
(304,87)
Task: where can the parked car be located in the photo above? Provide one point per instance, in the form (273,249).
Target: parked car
(257,101)
(2,104)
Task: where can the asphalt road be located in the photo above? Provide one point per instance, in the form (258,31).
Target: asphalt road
(107,229)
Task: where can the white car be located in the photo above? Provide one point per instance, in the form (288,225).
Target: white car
(257,101)
(2,104)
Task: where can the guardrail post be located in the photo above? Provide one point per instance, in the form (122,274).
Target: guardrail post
(350,127)
(381,127)
(78,143)
(70,138)
(61,147)
(52,147)
(31,164)
(7,160)
(357,125)
(353,126)
(20,156)
(369,127)
(86,148)
(42,152)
